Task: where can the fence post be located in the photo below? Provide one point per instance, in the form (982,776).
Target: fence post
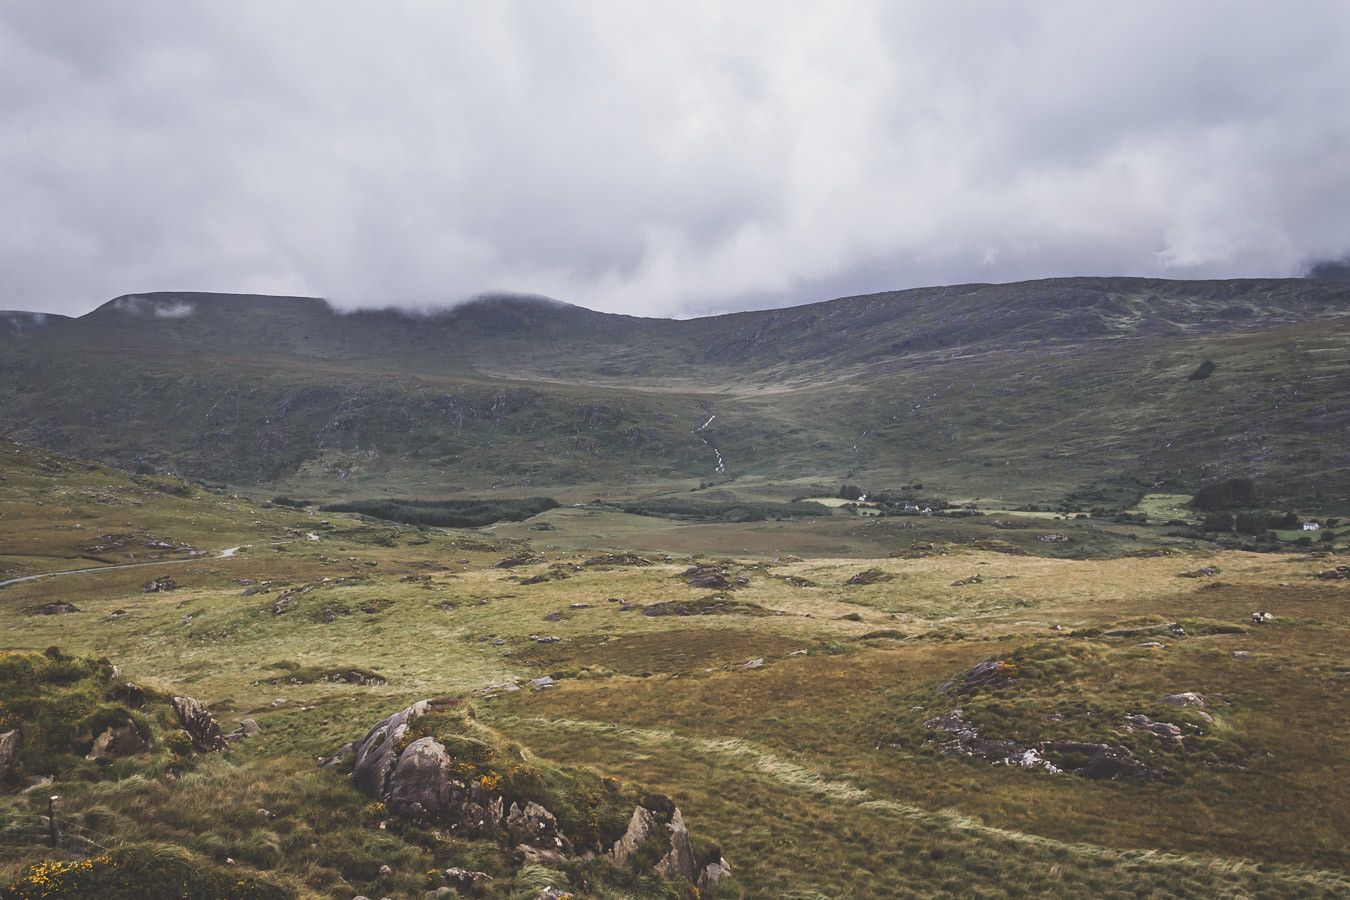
(53,829)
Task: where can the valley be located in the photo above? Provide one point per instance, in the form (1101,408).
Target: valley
(992,591)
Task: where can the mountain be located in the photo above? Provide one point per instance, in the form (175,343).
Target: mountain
(1022,392)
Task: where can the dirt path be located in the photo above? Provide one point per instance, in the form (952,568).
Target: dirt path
(223,554)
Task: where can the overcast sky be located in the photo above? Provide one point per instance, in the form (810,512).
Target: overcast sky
(661,159)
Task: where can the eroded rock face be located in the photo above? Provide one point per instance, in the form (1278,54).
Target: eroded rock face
(420,780)
(199,724)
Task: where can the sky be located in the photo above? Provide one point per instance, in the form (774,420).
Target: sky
(661,158)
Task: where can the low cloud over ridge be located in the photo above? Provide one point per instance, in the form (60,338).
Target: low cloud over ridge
(662,158)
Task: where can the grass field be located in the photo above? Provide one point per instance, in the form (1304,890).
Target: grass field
(815,770)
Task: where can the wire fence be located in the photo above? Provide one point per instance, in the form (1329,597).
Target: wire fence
(37,831)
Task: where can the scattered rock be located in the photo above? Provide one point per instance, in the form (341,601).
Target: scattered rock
(988,673)
(1340,572)
(519,559)
(1241,654)
(553,617)
(1053,538)
(1151,645)
(160,584)
(756,663)
(1185,698)
(617,559)
(974,579)
(545,638)
(1202,572)
(199,724)
(284,601)
(712,605)
(869,576)
(1262,618)
(542,682)
(247,729)
(58,608)
(463,879)
(1096,761)
(1144,725)
(579,606)
(421,781)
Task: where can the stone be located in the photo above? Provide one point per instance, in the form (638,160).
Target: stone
(1202,572)
(545,638)
(869,576)
(11,742)
(1262,618)
(1143,724)
(991,673)
(199,724)
(532,825)
(640,827)
(1241,654)
(756,663)
(247,729)
(114,742)
(59,608)
(160,584)
(463,879)
(1151,645)
(542,682)
(1185,698)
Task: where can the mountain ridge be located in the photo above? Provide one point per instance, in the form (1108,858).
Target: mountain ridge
(1057,382)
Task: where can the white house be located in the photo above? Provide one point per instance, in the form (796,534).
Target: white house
(1311,526)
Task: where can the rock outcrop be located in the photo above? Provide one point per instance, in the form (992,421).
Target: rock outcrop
(420,778)
(199,724)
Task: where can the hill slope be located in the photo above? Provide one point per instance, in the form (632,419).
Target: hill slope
(1020,391)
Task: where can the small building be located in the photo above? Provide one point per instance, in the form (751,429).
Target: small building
(1311,526)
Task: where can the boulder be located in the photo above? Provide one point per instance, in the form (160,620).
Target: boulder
(869,576)
(463,879)
(11,742)
(120,741)
(160,584)
(640,828)
(1185,698)
(58,608)
(247,729)
(535,826)
(199,724)
(1144,725)
(420,784)
(991,673)
(1262,618)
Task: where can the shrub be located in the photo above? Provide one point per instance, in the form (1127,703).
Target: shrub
(447,513)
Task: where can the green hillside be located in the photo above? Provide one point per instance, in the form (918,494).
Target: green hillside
(1019,393)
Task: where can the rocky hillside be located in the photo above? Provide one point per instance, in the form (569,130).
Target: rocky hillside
(1021,391)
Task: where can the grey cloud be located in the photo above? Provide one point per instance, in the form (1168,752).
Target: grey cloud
(661,158)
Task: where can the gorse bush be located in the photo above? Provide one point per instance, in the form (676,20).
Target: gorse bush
(140,873)
(447,513)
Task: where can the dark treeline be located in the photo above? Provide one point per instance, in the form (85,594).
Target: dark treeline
(447,513)
(714,511)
